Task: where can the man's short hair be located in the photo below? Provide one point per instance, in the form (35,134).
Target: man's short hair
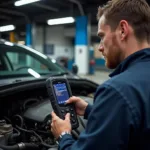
(135,12)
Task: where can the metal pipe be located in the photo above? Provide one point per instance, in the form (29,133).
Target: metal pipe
(8,11)
(35,4)
(7,3)
(5,17)
(79,6)
(45,7)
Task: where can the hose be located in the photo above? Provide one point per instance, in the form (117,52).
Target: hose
(20,146)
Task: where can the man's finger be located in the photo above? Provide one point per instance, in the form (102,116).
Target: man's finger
(67,117)
(54,116)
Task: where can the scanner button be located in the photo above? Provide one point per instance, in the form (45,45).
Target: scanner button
(73,121)
(72,115)
(64,114)
(67,109)
(62,111)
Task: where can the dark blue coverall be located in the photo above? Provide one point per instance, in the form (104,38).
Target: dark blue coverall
(120,116)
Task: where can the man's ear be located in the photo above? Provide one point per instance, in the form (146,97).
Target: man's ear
(123,29)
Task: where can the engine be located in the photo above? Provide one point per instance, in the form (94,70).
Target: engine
(25,115)
(31,128)
(38,115)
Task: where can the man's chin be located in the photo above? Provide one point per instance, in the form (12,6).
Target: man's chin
(110,65)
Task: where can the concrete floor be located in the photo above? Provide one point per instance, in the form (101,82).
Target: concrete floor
(99,76)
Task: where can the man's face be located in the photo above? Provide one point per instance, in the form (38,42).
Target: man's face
(109,44)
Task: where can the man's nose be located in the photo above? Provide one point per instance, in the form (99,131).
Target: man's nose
(101,48)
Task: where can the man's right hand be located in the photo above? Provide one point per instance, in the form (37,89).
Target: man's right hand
(80,104)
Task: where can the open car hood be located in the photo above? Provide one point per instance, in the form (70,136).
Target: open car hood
(24,79)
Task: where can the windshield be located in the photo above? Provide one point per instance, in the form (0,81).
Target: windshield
(21,61)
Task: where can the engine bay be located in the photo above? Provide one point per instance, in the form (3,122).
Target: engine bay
(25,114)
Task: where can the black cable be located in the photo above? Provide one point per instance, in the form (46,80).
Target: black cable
(41,140)
(30,131)
(77,131)
(43,143)
(21,120)
(17,131)
(14,137)
(44,133)
(48,146)
(29,100)
(74,134)
(7,119)
(25,130)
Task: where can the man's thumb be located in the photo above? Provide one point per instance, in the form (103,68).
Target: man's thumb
(71,100)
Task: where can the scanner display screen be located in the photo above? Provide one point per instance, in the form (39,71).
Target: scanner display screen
(61,93)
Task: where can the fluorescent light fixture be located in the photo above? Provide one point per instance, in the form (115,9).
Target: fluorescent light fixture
(34,73)
(61,21)
(9,43)
(24,2)
(7,28)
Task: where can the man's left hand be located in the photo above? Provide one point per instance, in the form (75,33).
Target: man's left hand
(58,125)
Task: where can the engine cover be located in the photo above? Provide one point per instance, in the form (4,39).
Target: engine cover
(38,112)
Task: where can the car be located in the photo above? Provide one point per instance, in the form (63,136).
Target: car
(25,109)
(25,62)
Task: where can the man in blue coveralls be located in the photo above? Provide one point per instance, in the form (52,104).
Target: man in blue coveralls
(120,116)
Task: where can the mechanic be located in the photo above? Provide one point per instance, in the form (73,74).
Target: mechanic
(120,116)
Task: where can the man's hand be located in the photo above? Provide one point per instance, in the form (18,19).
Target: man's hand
(80,104)
(58,125)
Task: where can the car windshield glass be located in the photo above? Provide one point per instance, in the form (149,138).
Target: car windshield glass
(23,61)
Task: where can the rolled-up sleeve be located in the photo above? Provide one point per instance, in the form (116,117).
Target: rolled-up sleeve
(108,126)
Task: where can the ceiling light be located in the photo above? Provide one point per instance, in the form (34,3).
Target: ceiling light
(7,28)
(24,2)
(61,21)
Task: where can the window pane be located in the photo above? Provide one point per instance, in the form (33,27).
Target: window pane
(23,60)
